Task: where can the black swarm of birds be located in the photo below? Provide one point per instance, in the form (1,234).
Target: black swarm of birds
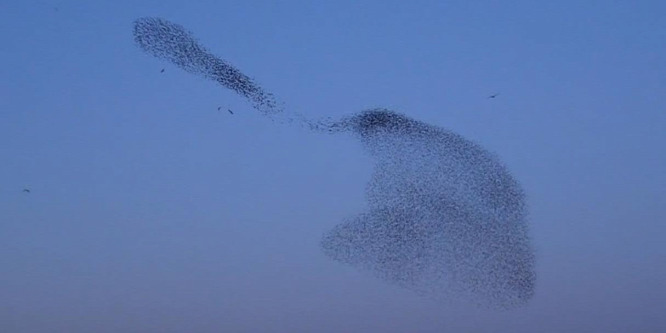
(445,217)
(171,42)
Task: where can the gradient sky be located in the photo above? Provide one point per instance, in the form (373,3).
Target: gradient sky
(150,211)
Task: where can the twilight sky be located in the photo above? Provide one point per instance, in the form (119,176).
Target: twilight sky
(152,211)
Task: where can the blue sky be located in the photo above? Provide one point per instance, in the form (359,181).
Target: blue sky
(151,211)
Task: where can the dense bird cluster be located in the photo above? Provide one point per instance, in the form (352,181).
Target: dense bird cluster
(445,217)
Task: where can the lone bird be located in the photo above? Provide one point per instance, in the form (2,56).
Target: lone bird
(493,95)
(26,190)
(162,71)
(230,111)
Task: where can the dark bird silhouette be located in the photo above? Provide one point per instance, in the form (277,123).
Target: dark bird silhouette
(26,190)
(230,111)
(493,95)
(162,71)
(219,108)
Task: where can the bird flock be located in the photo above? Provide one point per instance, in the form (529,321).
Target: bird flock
(445,217)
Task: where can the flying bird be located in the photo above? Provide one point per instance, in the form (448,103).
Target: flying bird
(162,71)
(230,111)
(493,95)
(26,190)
